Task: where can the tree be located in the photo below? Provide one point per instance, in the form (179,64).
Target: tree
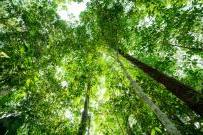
(85,117)
(170,127)
(185,93)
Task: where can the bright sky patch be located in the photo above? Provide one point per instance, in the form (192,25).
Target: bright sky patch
(72,13)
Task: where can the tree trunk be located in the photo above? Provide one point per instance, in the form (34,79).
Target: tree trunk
(129,131)
(9,124)
(84,120)
(183,92)
(89,124)
(170,127)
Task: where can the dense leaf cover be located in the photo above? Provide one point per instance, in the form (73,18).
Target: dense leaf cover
(57,77)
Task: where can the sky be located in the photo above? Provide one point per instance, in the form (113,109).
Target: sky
(73,11)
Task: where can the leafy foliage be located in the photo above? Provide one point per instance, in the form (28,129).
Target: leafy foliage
(47,64)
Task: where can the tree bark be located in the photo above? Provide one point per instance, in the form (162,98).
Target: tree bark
(9,124)
(84,120)
(183,92)
(170,127)
(129,131)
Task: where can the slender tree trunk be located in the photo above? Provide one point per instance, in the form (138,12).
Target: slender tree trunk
(190,48)
(89,124)
(170,127)
(119,124)
(183,92)
(194,49)
(128,128)
(84,120)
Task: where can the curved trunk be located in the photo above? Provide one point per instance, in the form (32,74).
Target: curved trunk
(183,92)
(170,127)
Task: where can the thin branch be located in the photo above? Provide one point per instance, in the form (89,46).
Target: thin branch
(119,124)
(189,48)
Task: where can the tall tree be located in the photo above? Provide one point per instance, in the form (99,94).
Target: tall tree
(170,127)
(185,93)
(84,119)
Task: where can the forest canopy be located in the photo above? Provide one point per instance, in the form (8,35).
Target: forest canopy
(116,67)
